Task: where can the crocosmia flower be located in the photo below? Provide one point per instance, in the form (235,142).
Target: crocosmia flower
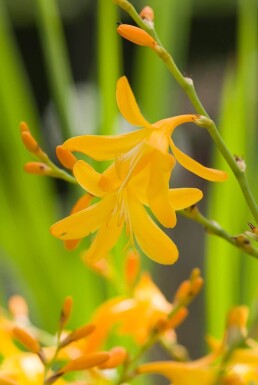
(132,147)
(122,203)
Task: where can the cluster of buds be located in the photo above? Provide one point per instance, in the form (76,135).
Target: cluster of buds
(43,165)
(188,289)
(83,361)
(185,294)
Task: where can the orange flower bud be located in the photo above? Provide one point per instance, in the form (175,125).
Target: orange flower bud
(147,13)
(26,339)
(29,142)
(7,381)
(66,311)
(24,127)
(195,273)
(183,291)
(86,362)
(136,35)
(37,168)
(178,318)
(171,323)
(132,267)
(238,317)
(197,285)
(65,157)
(78,334)
(118,355)
(18,306)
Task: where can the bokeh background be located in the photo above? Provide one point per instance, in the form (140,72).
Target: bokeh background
(59,64)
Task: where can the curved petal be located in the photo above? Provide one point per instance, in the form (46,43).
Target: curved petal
(192,165)
(81,204)
(127,104)
(182,198)
(169,124)
(158,188)
(88,178)
(106,238)
(100,147)
(151,239)
(181,373)
(84,222)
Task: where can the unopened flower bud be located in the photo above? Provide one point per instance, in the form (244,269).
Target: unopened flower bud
(24,127)
(29,142)
(26,339)
(18,307)
(86,362)
(238,317)
(66,311)
(118,356)
(147,13)
(182,292)
(197,285)
(65,157)
(78,334)
(132,267)
(173,322)
(38,168)
(136,35)
(236,324)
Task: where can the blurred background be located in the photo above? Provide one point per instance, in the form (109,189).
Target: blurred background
(60,61)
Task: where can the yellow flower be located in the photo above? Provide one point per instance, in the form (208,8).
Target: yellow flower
(132,147)
(147,147)
(122,204)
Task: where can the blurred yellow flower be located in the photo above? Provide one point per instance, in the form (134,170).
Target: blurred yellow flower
(122,203)
(134,315)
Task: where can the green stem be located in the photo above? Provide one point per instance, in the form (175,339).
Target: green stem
(56,58)
(240,241)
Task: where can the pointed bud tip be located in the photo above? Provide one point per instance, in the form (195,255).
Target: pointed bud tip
(147,14)
(65,157)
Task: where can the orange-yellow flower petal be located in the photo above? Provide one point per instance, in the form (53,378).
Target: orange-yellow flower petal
(88,178)
(128,106)
(84,222)
(192,165)
(81,204)
(105,240)
(100,147)
(181,373)
(182,198)
(151,239)
(161,166)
